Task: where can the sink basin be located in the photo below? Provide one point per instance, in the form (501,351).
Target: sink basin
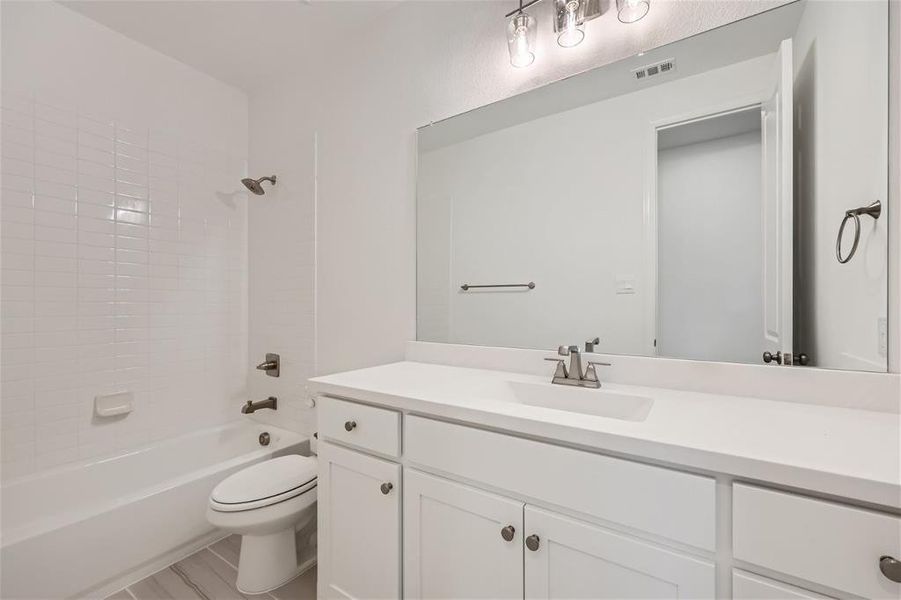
(586,401)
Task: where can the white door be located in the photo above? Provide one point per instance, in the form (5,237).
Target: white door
(776,115)
(460,542)
(567,558)
(359,525)
(746,586)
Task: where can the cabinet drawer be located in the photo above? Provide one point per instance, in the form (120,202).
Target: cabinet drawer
(746,586)
(824,542)
(674,505)
(366,427)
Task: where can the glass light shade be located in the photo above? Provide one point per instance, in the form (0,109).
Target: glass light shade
(521,39)
(571,32)
(629,11)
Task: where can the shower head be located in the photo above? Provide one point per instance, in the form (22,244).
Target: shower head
(255,185)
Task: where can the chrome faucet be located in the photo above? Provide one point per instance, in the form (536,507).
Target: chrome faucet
(574,375)
(251,406)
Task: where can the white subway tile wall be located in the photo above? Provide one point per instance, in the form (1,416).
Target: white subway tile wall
(124,268)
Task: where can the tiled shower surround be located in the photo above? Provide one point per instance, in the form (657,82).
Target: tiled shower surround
(123,269)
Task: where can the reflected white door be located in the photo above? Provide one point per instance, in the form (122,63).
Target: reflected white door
(776,115)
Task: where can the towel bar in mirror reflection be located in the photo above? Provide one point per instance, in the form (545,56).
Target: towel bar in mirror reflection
(468,286)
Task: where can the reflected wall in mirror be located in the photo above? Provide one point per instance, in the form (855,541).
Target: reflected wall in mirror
(683,203)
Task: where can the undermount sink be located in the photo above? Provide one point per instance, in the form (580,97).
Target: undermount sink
(597,402)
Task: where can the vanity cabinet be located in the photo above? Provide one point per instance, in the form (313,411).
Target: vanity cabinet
(487,514)
(460,542)
(358,508)
(567,558)
(677,506)
(827,543)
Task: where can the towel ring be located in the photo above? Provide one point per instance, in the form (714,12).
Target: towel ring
(874,210)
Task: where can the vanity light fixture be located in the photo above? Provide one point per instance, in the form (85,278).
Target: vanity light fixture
(629,11)
(521,38)
(572,24)
(569,23)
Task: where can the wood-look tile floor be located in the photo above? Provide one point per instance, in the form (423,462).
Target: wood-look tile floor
(210,574)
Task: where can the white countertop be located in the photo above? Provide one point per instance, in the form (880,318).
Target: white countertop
(854,454)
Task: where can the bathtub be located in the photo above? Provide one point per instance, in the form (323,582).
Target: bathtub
(87,529)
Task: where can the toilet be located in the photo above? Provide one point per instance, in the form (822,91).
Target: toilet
(265,504)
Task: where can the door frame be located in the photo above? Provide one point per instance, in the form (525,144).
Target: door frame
(711,111)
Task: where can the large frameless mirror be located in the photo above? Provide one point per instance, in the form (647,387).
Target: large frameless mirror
(720,198)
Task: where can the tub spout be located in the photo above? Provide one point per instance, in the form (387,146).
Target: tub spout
(251,406)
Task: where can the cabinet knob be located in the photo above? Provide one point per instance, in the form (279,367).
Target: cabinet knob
(769,357)
(350,425)
(532,542)
(386,487)
(891,568)
(507,533)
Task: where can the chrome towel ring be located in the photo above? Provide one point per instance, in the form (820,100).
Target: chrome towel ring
(874,210)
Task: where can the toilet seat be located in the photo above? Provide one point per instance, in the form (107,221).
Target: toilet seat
(265,483)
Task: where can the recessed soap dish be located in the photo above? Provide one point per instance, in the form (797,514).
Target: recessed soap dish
(113,405)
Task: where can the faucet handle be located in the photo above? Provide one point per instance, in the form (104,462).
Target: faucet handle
(561,370)
(590,344)
(567,350)
(591,373)
(598,363)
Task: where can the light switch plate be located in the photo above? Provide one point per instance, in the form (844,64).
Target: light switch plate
(625,284)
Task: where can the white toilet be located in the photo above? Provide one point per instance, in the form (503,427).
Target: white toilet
(266,503)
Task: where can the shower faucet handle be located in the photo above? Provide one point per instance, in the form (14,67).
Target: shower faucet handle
(272,365)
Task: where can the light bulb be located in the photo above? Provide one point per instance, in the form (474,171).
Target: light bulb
(629,11)
(521,39)
(571,31)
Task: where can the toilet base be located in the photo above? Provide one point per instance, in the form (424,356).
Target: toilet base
(267,562)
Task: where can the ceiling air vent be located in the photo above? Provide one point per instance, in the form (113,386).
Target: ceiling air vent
(664,66)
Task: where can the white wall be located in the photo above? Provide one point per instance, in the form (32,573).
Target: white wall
(281,261)
(419,62)
(544,201)
(123,240)
(841,118)
(710,249)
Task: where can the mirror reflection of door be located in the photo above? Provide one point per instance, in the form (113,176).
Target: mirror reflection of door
(724,223)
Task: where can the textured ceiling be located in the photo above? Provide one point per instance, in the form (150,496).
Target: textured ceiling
(242,43)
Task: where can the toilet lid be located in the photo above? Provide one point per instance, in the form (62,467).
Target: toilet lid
(270,479)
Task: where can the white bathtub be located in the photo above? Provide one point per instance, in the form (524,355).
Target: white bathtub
(83,529)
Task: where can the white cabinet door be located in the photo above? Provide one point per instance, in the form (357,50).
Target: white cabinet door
(746,586)
(359,525)
(572,559)
(460,542)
